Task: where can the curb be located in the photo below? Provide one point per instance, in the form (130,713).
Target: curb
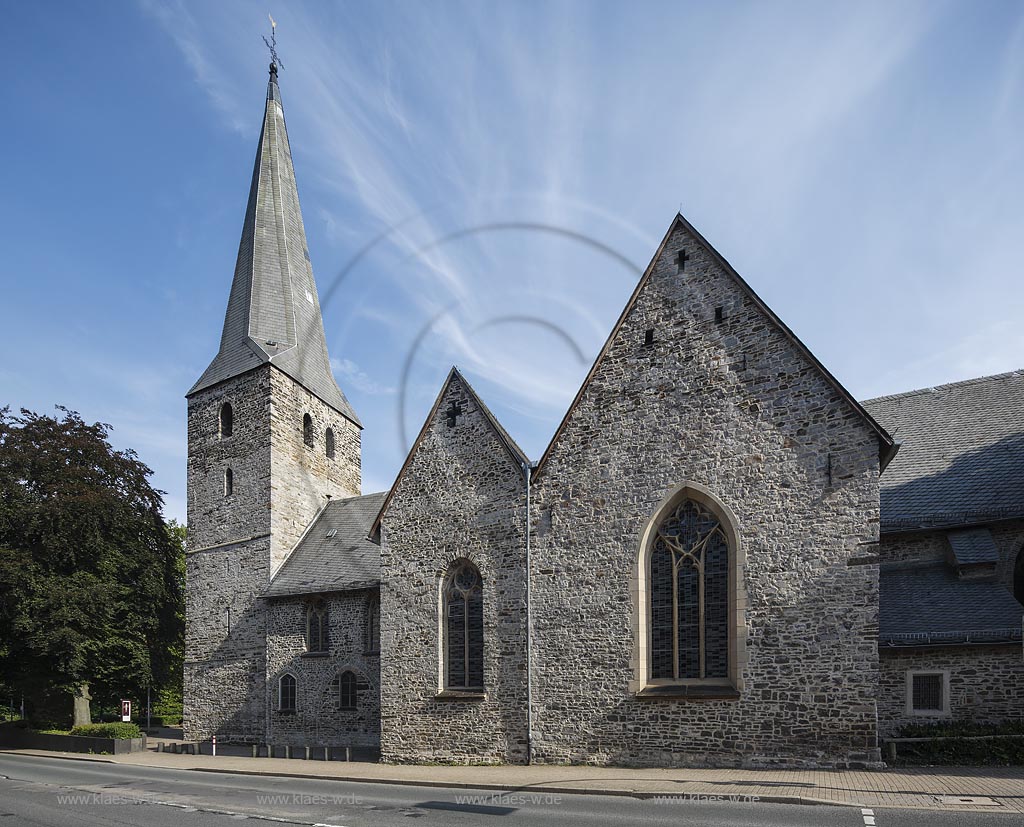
(463,785)
(63,756)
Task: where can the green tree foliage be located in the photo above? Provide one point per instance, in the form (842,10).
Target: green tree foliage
(91,577)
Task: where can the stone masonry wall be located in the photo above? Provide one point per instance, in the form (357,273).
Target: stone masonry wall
(227,566)
(304,476)
(986,684)
(317,719)
(734,406)
(461,496)
(933,546)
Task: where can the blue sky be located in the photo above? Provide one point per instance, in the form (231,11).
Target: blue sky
(483,182)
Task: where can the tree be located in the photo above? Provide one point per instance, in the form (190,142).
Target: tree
(91,594)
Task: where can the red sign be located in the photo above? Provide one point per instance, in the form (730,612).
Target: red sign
(126,711)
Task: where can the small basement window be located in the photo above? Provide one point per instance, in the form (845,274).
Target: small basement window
(927,693)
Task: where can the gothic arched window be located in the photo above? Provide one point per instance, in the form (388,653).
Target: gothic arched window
(229,482)
(286,693)
(373,624)
(226,420)
(463,627)
(317,638)
(329,443)
(307,430)
(688,589)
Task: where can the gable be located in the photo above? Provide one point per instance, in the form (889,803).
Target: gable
(462,428)
(690,297)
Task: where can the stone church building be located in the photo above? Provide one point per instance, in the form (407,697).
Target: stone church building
(722,557)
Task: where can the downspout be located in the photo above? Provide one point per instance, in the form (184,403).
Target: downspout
(527,471)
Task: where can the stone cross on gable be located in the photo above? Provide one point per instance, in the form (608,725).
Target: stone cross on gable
(453,413)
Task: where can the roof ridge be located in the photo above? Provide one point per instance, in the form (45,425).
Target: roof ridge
(934,388)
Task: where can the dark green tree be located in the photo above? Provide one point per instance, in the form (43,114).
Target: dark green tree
(91,592)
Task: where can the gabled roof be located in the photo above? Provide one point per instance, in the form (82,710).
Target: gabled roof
(962,455)
(886,446)
(926,604)
(454,375)
(273,313)
(334,554)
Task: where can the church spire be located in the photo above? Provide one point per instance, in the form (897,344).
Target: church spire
(273,312)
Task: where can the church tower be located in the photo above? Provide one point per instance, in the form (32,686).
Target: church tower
(271,438)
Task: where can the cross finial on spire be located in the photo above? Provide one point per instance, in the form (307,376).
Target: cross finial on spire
(275,63)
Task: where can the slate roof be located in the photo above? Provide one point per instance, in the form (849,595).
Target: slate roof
(975,545)
(961,459)
(929,604)
(343,562)
(273,312)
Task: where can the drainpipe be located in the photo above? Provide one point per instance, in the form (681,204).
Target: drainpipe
(527,471)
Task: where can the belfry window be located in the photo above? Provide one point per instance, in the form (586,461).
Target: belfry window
(317,637)
(329,443)
(226,420)
(307,430)
(463,627)
(689,596)
(286,693)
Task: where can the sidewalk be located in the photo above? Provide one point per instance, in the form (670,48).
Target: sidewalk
(988,789)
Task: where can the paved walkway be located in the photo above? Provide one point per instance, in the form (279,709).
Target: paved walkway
(991,789)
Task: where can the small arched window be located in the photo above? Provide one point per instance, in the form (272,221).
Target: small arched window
(317,639)
(229,482)
(307,430)
(329,443)
(463,627)
(286,693)
(373,624)
(689,596)
(348,697)
(1018,576)
(227,420)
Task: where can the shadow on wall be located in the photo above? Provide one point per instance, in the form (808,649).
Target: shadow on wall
(978,486)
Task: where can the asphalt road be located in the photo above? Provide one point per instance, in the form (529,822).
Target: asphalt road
(67,793)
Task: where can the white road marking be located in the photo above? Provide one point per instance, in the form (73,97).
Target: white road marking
(869,817)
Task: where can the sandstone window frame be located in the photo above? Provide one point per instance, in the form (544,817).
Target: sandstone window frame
(287,694)
(317,627)
(225,421)
(943,710)
(730,687)
(458,586)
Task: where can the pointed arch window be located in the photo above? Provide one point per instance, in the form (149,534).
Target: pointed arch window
(229,482)
(329,443)
(286,693)
(226,420)
(317,623)
(307,430)
(345,687)
(463,627)
(689,595)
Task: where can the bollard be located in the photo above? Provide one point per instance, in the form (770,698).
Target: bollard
(327,753)
(288,751)
(270,750)
(255,751)
(213,751)
(307,752)
(348,753)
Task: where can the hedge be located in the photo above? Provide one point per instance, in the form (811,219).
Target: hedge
(108,731)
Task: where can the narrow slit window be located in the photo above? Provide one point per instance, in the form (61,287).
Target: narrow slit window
(329,443)
(307,430)
(227,420)
(229,482)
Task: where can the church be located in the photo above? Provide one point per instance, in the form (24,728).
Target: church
(722,558)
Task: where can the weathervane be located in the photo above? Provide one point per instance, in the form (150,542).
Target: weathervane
(272,44)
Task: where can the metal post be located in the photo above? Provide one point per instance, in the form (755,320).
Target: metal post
(348,753)
(327,753)
(149,711)
(307,752)
(288,751)
(214,748)
(255,750)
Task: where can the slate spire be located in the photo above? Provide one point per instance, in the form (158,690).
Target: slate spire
(273,311)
